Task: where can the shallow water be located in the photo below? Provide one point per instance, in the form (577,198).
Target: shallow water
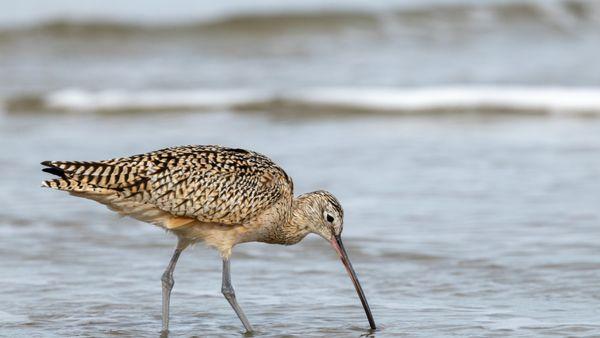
(462,138)
(457,226)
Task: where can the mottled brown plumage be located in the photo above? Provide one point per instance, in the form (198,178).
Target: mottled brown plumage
(221,196)
(186,188)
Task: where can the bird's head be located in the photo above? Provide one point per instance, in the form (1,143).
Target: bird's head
(323,215)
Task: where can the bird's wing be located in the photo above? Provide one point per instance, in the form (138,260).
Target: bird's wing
(208,183)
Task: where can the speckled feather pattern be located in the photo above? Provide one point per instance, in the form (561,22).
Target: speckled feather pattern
(222,196)
(208,183)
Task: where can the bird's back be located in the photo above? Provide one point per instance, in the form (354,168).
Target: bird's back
(166,187)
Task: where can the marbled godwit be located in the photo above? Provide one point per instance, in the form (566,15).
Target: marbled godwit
(220,196)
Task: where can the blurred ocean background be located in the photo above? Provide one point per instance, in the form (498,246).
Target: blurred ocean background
(462,138)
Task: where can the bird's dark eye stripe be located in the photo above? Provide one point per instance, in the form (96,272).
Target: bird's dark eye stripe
(329,218)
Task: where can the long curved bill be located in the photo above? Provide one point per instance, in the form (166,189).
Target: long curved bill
(337,244)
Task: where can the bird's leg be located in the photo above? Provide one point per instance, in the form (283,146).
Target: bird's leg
(229,293)
(168,282)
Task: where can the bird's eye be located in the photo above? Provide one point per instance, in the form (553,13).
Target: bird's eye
(330,218)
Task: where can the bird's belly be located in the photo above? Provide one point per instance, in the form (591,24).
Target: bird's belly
(222,237)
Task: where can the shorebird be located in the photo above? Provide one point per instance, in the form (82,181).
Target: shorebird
(212,194)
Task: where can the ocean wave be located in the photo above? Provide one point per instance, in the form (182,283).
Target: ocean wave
(452,99)
(554,13)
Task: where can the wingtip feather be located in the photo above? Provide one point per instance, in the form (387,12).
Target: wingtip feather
(55,171)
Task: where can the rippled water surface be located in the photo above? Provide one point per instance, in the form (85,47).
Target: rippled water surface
(469,226)
(462,138)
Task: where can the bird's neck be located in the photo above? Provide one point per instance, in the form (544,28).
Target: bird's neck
(295,226)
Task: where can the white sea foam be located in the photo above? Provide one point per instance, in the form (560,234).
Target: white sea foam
(115,100)
(542,100)
(458,98)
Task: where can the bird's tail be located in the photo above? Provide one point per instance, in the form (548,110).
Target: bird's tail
(73,176)
(103,183)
